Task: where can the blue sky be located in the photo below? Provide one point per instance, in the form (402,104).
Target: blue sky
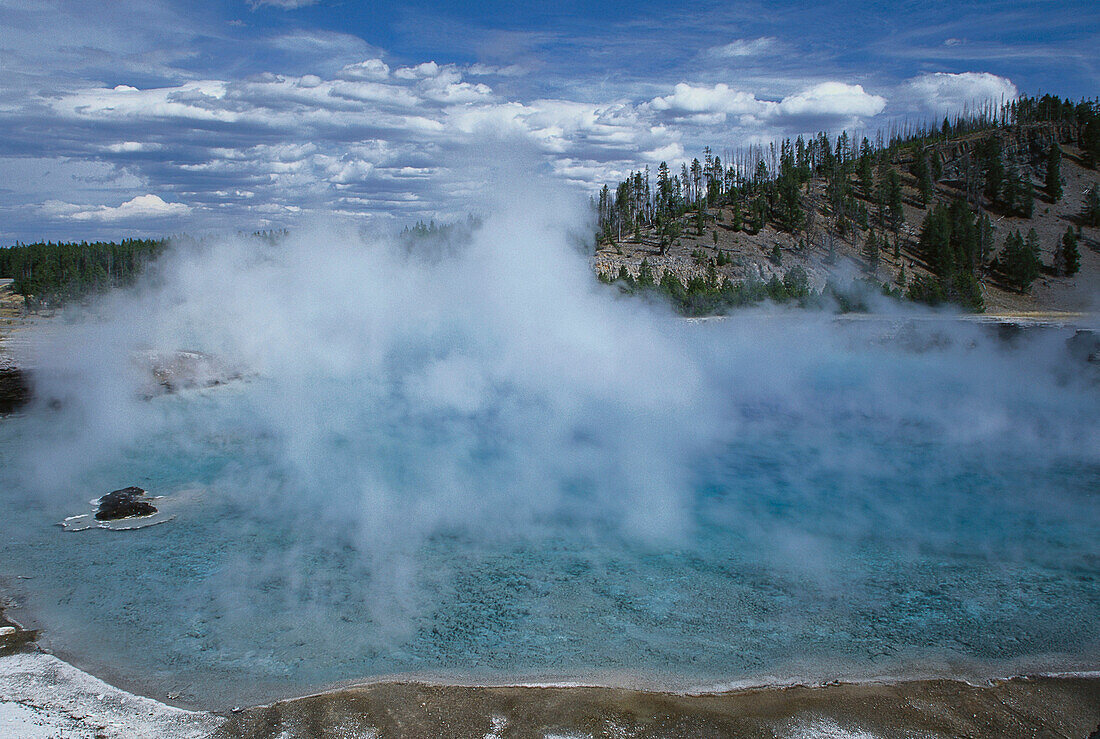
(153,117)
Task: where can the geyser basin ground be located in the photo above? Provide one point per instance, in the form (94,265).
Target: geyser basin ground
(872,505)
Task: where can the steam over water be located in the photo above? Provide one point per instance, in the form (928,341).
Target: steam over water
(474,461)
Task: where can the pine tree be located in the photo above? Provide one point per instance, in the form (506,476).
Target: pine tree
(896,212)
(924,176)
(776,255)
(796,282)
(871,251)
(1017,195)
(1019,260)
(791,215)
(1067,259)
(1090,141)
(1090,212)
(993,168)
(712,274)
(1054,173)
(864,169)
(664,190)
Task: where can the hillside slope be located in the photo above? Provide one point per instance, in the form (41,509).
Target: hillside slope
(825,253)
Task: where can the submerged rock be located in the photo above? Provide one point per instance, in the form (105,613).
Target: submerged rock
(125,503)
(173,371)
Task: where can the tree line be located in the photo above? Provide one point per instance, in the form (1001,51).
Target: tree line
(48,273)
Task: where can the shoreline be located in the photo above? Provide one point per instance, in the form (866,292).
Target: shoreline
(40,692)
(961,670)
(44,693)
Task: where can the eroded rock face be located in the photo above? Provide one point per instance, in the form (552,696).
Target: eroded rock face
(15,389)
(124,503)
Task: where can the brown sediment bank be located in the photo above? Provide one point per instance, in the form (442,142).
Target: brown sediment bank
(1048,706)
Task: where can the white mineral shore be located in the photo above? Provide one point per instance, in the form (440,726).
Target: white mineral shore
(42,696)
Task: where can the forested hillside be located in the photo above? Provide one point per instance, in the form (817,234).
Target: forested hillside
(996,208)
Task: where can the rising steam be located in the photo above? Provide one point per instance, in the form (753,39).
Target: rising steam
(495,391)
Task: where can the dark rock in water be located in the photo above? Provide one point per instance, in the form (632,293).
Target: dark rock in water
(124,503)
(1084,346)
(15,389)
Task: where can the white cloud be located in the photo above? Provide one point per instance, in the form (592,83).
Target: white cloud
(357,134)
(420,71)
(667,153)
(457,92)
(489,70)
(284,4)
(141,207)
(744,48)
(130,147)
(375,92)
(720,98)
(940,92)
(832,99)
(371,69)
(365,135)
(827,103)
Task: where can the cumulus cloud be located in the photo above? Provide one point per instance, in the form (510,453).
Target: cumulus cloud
(832,99)
(717,99)
(826,105)
(941,92)
(139,208)
(370,69)
(328,124)
(420,71)
(361,138)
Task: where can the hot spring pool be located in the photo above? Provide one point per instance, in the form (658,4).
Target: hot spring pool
(837,507)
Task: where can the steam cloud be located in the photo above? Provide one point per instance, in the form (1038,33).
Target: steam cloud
(494,390)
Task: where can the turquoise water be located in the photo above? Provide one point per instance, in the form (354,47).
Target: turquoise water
(846,509)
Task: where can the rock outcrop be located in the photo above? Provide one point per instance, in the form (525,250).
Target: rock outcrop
(125,503)
(15,389)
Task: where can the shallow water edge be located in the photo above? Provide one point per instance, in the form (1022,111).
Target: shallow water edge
(41,692)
